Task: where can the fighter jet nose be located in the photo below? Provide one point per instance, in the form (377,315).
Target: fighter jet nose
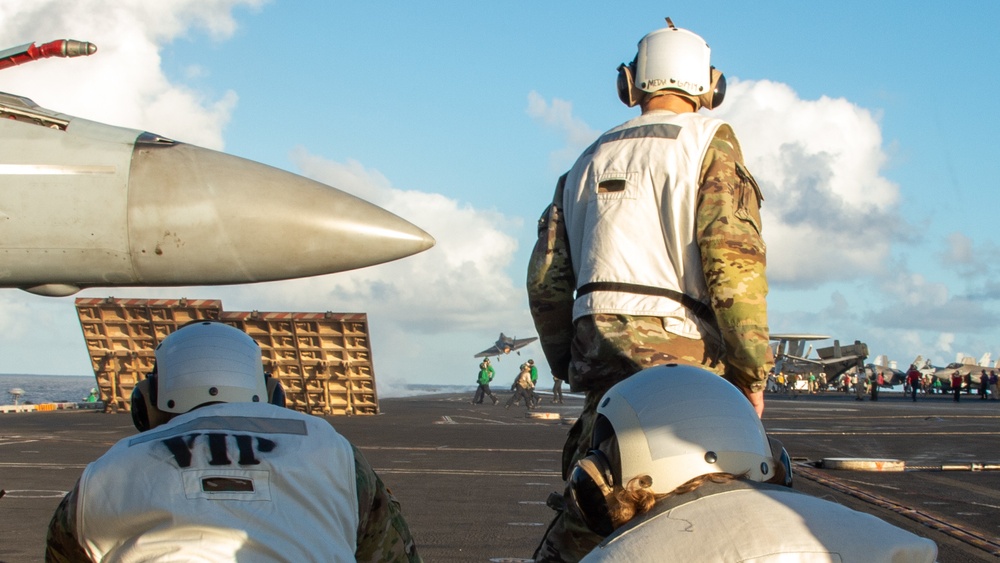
(201,214)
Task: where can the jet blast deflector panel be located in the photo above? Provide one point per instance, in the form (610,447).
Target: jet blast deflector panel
(323,360)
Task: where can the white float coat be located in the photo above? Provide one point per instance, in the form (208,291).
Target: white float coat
(630,202)
(761,524)
(246,481)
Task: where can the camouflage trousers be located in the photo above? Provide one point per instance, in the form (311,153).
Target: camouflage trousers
(605,350)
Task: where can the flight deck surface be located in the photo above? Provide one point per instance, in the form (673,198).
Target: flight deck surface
(473,479)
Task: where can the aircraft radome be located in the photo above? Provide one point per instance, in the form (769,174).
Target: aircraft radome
(85,204)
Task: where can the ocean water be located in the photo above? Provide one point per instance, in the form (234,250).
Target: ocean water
(73,388)
(45,388)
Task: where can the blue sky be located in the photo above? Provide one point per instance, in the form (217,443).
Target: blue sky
(867,124)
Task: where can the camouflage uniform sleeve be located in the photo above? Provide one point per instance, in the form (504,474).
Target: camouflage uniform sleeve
(61,545)
(383,534)
(728,230)
(551,285)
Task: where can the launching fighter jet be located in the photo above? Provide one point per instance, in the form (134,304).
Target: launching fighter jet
(833,360)
(505,345)
(85,204)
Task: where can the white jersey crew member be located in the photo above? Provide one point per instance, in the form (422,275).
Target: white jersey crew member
(682,470)
(221,471)
(246,481)
(611,217)
(743,521)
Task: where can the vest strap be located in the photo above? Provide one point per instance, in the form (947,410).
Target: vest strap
(700,309)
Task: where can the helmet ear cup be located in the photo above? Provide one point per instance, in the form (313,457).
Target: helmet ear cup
(590,487)
(782,462)
(145,415)
(275,392)
(716,91)
(627,91)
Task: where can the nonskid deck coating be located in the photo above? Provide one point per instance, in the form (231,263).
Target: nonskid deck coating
(472,479)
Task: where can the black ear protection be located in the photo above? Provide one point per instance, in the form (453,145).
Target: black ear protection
(146,415)
(591,484)
(275,392)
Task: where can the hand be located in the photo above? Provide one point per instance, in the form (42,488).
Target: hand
(756,399)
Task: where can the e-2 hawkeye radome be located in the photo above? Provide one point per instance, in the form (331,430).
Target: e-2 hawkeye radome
(86,204)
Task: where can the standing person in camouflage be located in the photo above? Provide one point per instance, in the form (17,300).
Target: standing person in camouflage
(522,387)
(557,390)
(651,252)
(221,471)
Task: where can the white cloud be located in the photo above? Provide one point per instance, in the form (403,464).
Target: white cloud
(123,83)
(828,213)
(958,251)
(558,116)
(911,301)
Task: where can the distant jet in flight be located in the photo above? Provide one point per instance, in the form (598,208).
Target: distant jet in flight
(505,345)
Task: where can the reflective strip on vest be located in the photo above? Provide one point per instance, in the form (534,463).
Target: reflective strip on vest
(237,424)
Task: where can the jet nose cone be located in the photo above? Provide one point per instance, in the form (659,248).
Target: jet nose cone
(201,214)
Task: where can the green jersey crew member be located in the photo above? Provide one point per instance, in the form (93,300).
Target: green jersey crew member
(486,374)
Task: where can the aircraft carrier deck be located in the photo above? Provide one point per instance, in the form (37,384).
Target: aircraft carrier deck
(472,480)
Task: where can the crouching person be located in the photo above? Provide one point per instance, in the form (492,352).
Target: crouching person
(682,470)
(221,471)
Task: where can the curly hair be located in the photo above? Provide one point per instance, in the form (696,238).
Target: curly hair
(636,497)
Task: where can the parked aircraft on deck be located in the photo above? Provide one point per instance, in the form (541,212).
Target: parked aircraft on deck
(791,356)
(889,369)
(964,365)
(86,204)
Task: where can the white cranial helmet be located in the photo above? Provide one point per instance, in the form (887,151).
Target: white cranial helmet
(676,422)
(676,60)
(208,362)
(673,58)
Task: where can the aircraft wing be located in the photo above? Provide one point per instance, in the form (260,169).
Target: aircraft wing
(521,343)
(491,351)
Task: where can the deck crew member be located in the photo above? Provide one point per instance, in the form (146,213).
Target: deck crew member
(222,471)
(681,470)
(651,251)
